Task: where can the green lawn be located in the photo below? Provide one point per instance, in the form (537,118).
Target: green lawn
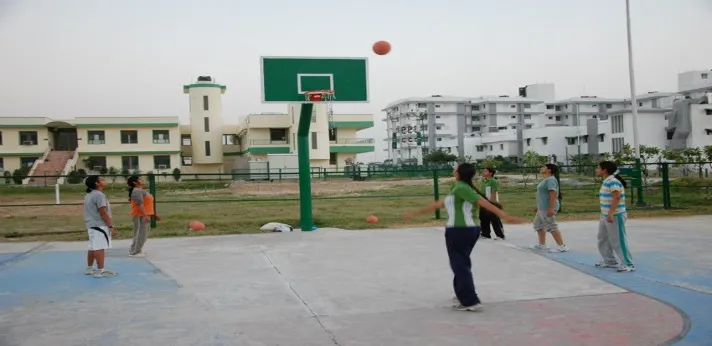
(243,207)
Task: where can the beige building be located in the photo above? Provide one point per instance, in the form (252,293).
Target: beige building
(161,144)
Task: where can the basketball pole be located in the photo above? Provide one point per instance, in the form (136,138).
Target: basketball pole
(634,107)
(306,218)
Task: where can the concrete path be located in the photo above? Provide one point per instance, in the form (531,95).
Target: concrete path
(382,287)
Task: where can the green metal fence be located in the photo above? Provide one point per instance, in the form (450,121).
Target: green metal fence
(342,198)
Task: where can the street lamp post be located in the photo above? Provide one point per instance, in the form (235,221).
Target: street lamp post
(634,105)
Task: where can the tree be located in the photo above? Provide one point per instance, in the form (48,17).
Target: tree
(583,163)
(176,174)
(625,155)
(693,157)
(8,177)
(532,160)
(490,162)
(707,150)
(439,157)
(114,174)
(647,156)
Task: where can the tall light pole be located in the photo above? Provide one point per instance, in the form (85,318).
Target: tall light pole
(634,106)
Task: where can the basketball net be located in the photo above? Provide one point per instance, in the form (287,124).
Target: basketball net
(323,96)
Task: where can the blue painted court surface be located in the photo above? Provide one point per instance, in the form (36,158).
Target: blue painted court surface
(387,287)
(47,277)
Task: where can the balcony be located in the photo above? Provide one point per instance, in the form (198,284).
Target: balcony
(268,146)
(161,141)
(352,145)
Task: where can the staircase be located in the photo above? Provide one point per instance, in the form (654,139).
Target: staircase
(53,165)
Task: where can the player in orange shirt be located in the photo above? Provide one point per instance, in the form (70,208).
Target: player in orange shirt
(142,208)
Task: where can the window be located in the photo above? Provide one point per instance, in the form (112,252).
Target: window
(703,76)
(437,106)
(313,140)
(279,135)
(28,137)
(513,116)
(187,160)
(332,158)
(27,161)
(527,116)
(0,137)
(558,118)
(571,140)
(439,139)
(229,139)
(161,137)
(544,140)
(162,162)
(549,106)
(558,108)
(206,124)
(437,117)
(422,105)
(600,138)
(475,108)
(526,105)
(185,139)
(438,127)
(2,164)
(529,142)
(96,137)
(490,148)
(475,118)
(480,148)
(528,126)
(475,129)
(207,148)
(501,147)
(609,106)
(96,163)
(512,106)
(551,118)
(617,144)
(206,104)
(129,162)
(129,137)
(332,135)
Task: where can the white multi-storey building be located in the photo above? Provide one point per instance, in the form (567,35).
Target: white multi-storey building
(506,126)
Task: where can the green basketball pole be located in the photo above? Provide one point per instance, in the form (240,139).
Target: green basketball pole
(305,199)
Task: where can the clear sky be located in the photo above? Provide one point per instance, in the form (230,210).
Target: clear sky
(70,58)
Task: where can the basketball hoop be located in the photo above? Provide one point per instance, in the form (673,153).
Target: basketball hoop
(323,96)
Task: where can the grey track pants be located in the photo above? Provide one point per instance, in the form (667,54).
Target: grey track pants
(140,235)
(613,242)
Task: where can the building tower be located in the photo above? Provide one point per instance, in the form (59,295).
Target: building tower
(206,122)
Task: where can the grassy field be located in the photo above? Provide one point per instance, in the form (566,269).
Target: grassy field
(27,213)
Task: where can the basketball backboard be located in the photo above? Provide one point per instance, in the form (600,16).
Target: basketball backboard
(285,79)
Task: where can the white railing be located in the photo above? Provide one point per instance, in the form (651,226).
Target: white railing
(34,166)
(68,167)
(353,141)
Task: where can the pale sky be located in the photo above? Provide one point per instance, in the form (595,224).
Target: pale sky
(70,58)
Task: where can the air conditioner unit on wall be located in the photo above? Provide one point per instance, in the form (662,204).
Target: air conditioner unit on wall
(162,166)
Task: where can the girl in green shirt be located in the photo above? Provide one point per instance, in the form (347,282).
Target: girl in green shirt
(462,232)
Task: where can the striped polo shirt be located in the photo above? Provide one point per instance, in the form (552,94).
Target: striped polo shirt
(459,205)
(605,196)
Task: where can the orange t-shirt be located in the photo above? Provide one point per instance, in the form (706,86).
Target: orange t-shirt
(141,195)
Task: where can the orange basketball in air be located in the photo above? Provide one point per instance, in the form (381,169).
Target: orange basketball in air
(372,219)
(196,226)
(381,47)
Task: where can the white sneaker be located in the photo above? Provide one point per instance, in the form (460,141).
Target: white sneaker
(560,248)
(138,255)
(626,268)
(104,273)
(89,271)
(460,307)
(455,300)
(540,247)
(603,264)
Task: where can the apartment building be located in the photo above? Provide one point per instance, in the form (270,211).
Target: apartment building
(332,142)
(161,144)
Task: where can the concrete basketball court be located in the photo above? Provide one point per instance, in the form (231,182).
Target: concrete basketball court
(381,287)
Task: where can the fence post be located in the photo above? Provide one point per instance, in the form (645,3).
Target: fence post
(666,185)
(436,191)
(152,190)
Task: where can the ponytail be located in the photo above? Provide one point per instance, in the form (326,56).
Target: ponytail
(618,176)
(558,185)
(131,182)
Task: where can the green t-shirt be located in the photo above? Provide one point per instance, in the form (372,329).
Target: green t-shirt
(489,187)
(460,205)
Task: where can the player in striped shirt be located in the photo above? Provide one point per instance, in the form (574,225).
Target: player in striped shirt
(612,239)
